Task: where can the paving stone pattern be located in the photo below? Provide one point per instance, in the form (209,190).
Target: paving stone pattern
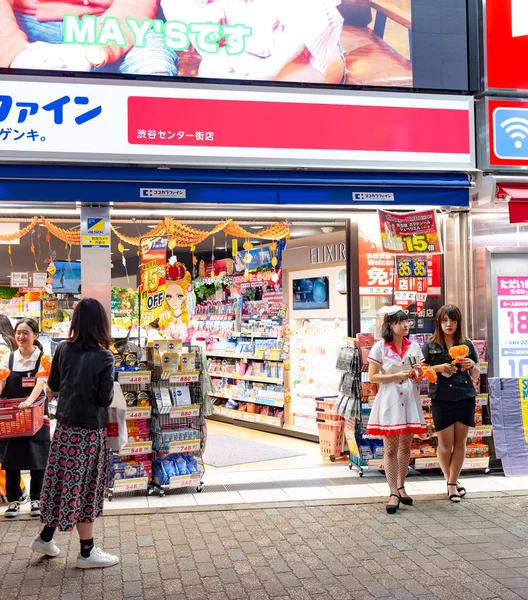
(478,549)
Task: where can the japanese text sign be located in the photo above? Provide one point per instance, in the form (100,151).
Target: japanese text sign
(230,126)
(216,39)
(409,233)
(512,305)
(153,278)
(377,269)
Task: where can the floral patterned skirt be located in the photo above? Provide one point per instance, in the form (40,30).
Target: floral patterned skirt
(76,476)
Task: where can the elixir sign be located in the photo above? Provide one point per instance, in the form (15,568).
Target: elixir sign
(321,255)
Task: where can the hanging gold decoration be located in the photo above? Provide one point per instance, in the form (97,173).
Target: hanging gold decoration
(183,235)
(11,237)
(69,236)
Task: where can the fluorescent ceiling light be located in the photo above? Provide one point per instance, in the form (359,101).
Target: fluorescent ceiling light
(257,227)
(40,211)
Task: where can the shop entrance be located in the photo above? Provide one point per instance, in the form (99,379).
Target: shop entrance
(263,300)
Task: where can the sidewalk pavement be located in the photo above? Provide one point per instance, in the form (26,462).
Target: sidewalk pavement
(321,551)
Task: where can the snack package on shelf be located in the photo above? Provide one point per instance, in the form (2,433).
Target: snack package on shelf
(138,430)
(128,469)
(174,465)
(477,450)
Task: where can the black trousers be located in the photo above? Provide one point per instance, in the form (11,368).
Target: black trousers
(13,490)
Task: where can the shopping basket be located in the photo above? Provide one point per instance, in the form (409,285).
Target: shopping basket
(331,438)
(20,422)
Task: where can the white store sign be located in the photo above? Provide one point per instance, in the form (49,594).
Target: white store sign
(231,125)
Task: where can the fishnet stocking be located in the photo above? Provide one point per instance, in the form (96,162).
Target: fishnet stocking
(396,460)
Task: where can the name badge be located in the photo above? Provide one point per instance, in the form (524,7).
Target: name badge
(29,382)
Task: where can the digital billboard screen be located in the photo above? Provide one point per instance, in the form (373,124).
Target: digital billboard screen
(387,43)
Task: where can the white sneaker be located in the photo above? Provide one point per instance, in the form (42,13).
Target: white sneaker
(46,548)
(98,559)
(35,508)
(12,510)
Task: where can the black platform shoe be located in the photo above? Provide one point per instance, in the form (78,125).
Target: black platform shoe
(407,500)
(392,508)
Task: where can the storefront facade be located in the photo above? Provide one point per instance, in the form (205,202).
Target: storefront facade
(115,151)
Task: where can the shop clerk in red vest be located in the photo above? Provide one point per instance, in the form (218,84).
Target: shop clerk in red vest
(25,453)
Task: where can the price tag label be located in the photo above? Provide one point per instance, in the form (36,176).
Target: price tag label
(180,412)
(481,432)
(140,412)
(131,485)
(184,378)
(426,463)
(376,463)
(185,446)
(259,354)
(482,400)
(134,377)
(181,481)
(476,463)
(136,448)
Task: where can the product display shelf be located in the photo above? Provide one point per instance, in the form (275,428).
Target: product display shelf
(242,356)
(257,379)
(314,348)
(130,469)
(178,429)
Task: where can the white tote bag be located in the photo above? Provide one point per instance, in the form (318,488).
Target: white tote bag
(116,430)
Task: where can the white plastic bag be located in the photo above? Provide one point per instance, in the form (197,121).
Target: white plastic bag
(116,430)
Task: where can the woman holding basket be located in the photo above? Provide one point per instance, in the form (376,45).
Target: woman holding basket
(26,381)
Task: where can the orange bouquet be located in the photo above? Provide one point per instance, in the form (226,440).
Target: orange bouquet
(458,353)
(45,367)
(429,373)
(4,374)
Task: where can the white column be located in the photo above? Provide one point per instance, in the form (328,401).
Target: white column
(96,273)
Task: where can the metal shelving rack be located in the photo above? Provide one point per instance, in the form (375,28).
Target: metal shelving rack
(170,418)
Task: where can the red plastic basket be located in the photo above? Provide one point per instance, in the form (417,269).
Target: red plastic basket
(331,438)
(325,412)
(17,422)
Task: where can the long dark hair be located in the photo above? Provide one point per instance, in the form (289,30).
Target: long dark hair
(7,332)
(90,326)
(386,330)
(453,312)
(33,325)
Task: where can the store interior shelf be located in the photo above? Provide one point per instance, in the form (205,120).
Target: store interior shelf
(255,334)
(251,400)
(257,379)
(242,356)
(248,417)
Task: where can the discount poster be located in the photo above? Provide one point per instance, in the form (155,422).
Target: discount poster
(512,300)
(153,279)
(411,283)
(410,233)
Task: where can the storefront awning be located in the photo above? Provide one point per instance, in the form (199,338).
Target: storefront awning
(41,183)
(517,201)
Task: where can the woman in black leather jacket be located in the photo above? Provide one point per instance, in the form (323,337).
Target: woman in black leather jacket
(82,372)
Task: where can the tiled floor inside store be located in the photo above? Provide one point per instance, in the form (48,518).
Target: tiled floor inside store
(303,478)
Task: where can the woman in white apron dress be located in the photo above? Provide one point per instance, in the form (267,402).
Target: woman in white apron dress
(397,413)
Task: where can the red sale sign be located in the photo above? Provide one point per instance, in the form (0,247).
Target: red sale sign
(506,41)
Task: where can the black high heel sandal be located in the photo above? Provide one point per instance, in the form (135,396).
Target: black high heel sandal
(461,489)
(392,508)
(407,500)
(455,498)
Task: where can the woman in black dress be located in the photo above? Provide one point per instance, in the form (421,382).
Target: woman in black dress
(453,397)
(25,453)
(82,372)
